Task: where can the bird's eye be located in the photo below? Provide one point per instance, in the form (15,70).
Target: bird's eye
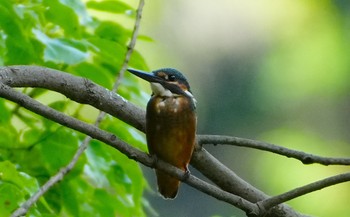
(172,77)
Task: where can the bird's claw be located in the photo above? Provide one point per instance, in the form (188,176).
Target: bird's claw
(186,174)
(154,160)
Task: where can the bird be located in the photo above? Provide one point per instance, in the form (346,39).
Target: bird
(171,123)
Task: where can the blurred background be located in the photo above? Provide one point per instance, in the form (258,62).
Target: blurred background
(275,71)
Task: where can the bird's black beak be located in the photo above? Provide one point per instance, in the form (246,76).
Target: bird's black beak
(146,76)
(154,79)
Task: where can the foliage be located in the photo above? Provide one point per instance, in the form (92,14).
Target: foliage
(75,37)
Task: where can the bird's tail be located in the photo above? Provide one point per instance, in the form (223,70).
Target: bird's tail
(167,185)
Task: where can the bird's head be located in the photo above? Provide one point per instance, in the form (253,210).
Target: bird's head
(166,82)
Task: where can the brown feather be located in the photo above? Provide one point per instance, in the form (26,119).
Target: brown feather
(170,130)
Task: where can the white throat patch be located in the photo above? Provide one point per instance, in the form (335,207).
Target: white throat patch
(159,90)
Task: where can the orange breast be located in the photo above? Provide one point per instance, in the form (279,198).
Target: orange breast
(170,131)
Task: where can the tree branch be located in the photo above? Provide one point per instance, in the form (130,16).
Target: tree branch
(297,192)
(229,181)
(76,88)
(305,158)
(131,152)
(90,93)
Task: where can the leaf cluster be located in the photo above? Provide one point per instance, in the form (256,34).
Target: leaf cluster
(88,39)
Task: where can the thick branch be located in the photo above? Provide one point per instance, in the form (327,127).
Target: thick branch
(229,181)
(85,91)
(305,158)
(76,88)
(131,152)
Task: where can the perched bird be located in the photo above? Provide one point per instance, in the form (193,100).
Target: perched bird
(170,123)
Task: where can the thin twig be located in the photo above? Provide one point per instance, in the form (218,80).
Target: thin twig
(305,158)
(297,192)
(23,209)
(131,46)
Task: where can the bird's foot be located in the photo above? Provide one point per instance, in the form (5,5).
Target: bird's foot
(154,159)
(186,174)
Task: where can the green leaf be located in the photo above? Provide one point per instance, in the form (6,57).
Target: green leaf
(9,23)
(98,164)
(8,136)
(20,47)
(33,154)
(110,54)
(109,6)
(119,173)
(84,191)
(58,149)
(137,61)
(125,132)
(14,186)
(10,197)
(61,50)
(30,137)
(113,32)
(94,72)
(59,105)
(103,203)
(69,200)
(63,16)
(62,34)
(5,113)
(145,38)
(79,8)
(23,51)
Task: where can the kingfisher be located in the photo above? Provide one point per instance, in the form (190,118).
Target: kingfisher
(171,123)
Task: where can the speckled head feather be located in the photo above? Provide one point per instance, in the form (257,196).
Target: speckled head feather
(167,73)
(166,82)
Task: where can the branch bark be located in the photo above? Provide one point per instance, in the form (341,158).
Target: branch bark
(131,152)
(76,88)
(85,91)
(297,192)
(305,158)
